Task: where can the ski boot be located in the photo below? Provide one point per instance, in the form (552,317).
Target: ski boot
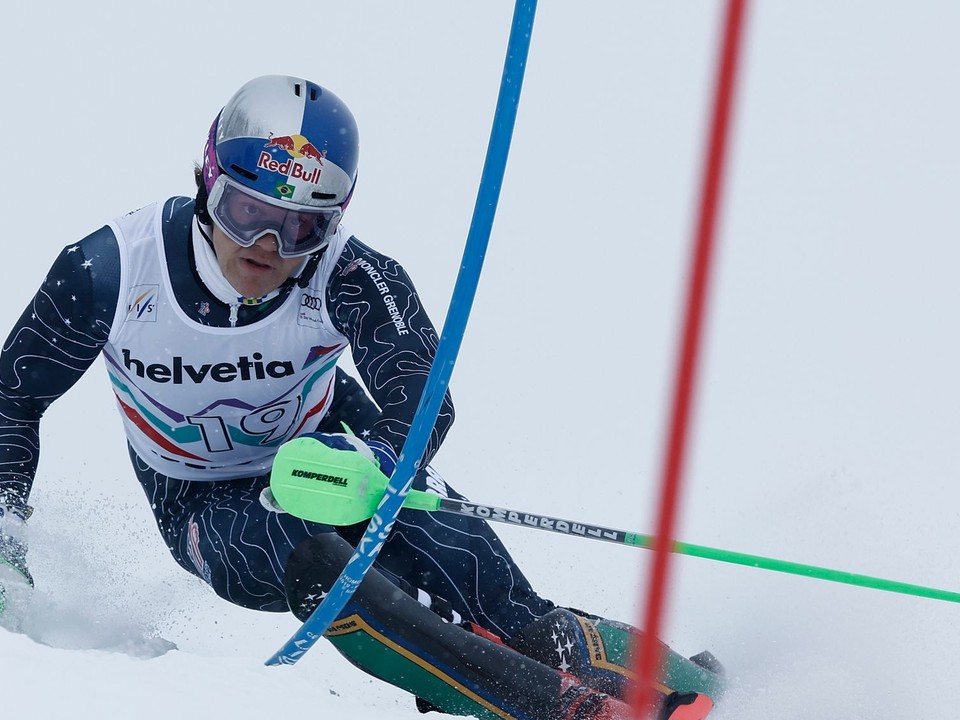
(579,702)
(596,651)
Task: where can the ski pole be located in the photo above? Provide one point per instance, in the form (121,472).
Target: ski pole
(324,485)
(451,338)
(623,537)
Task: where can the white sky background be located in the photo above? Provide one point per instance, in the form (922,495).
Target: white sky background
(829,408)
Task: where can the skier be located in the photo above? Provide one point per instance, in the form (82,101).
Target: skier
(221,319)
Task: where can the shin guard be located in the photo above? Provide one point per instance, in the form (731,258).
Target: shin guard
(388,634)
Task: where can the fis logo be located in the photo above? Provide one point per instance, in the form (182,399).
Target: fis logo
(142,303)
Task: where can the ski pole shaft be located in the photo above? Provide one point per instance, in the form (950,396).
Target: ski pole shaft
(451,337)
(623,537)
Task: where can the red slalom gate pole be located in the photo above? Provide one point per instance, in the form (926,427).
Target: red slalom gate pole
(646,649)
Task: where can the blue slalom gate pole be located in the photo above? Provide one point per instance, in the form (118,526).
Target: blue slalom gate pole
(451,338)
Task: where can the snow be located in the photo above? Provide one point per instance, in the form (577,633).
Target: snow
(826,431)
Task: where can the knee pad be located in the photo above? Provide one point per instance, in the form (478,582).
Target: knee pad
(313,568)
(315,565)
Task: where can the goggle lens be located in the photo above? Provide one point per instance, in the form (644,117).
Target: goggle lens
(245,218)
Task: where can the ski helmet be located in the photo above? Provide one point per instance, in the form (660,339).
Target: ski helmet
(286,141)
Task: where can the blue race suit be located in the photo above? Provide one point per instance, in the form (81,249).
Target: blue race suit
(218,530)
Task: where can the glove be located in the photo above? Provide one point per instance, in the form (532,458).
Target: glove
(376,451)
(13,551)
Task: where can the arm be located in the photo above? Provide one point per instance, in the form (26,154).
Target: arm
(56,339)
(375,305)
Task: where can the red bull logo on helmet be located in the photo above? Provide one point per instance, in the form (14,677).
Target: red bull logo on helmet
(297,147)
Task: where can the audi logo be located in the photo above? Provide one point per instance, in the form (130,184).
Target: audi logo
(312,302)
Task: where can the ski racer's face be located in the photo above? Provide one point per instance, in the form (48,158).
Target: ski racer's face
(256,270)
(244,215)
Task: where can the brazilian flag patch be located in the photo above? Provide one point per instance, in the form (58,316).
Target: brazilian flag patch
(284,190)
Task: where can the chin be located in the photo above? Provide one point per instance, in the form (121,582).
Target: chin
(260,291)
(257,288)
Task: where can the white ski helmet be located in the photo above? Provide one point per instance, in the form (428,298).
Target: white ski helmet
(286,142)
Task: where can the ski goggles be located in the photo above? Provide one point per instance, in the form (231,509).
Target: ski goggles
(246,217)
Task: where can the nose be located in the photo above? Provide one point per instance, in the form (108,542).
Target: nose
(269,242)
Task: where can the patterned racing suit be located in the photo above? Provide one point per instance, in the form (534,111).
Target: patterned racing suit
(208,390)
(218,529)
